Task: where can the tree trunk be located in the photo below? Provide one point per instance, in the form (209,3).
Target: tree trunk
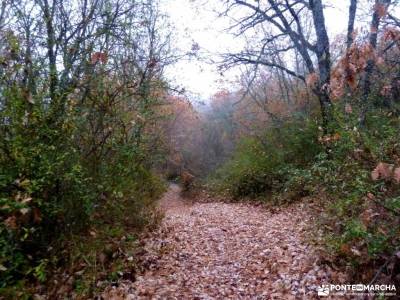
(51,42)
(324,63)
(350,24)
(326,111)
(349,42)
(373,39)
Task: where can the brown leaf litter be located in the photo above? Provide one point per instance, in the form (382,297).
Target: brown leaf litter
(228,251)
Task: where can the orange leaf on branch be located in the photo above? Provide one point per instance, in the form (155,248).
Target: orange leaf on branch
(99,57)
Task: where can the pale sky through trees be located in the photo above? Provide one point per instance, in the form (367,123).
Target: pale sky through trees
(196,21)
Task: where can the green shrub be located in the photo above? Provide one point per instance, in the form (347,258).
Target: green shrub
(57,169)
(271,164)
(362,213)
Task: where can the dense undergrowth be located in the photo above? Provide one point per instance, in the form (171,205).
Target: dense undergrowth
(264,165)
(77,144)
(53,195)
(353,173)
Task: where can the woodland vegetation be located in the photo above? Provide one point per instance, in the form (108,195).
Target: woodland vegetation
(91,130)
(313,116)
(80,101)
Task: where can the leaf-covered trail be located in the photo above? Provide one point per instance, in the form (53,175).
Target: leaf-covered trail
(228,251)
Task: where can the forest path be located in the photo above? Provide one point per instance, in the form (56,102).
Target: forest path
(228,251)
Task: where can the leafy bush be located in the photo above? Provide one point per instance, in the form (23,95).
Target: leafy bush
(46,190)
(362,214)
(62,160)
(272,164)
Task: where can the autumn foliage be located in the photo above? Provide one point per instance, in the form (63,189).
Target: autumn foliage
(281,153)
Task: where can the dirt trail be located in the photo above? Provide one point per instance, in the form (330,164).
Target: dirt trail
(228,251)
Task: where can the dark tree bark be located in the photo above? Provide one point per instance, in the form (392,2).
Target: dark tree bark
(285,19)
(324,62)
(350,24)
(372,40)
(48,14)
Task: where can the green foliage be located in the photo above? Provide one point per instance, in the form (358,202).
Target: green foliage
(112,238)
(61,161)
(362,214)
(270,165)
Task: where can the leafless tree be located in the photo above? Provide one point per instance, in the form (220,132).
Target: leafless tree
(70,49)
(288,26)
